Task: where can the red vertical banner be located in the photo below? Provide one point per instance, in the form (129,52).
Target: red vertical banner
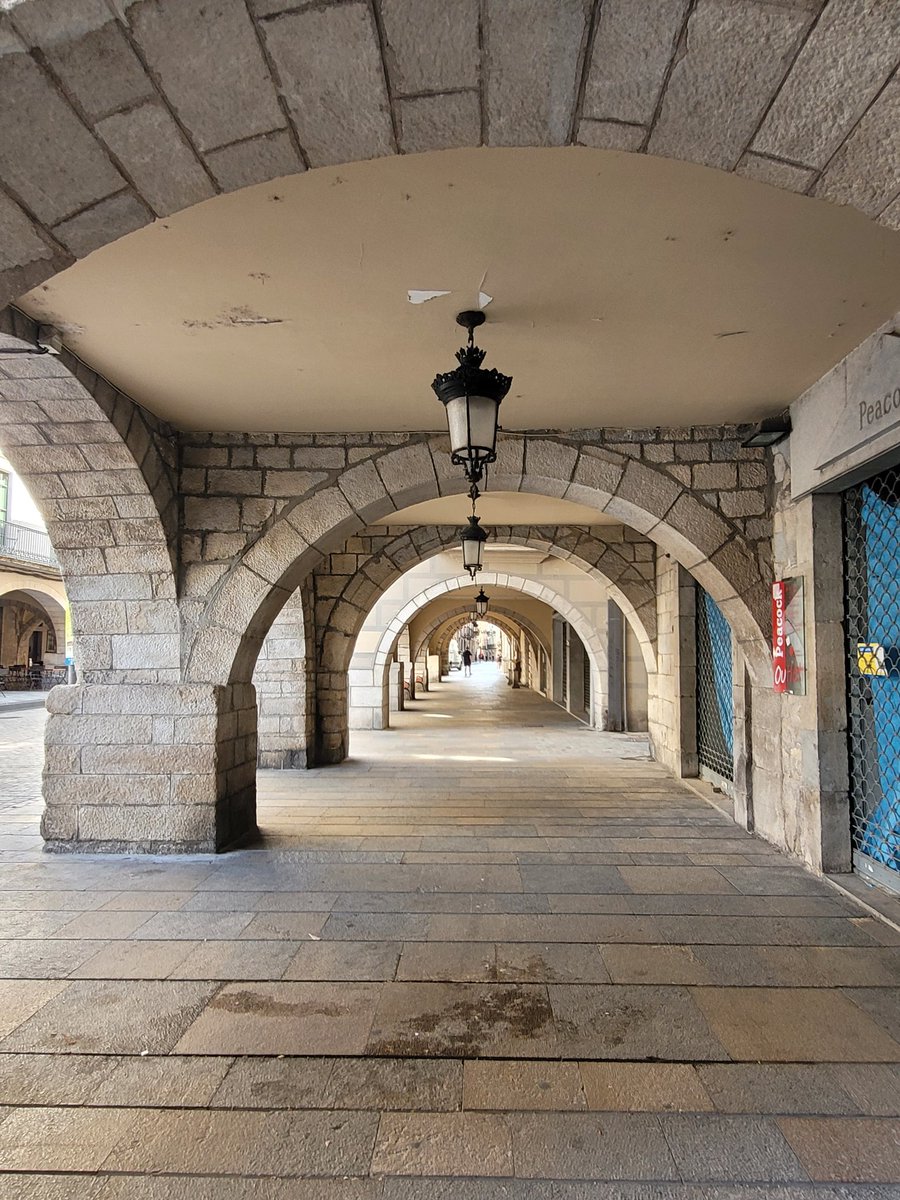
(788,637)
(779,641)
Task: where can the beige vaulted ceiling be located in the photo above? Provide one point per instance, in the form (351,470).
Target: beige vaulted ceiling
(499,508)
(627,291)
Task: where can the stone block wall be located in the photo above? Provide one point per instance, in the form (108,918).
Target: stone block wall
(236,485)
(103,474)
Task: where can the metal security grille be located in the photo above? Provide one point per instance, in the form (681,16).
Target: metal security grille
(872,626)
(586,691)
(715,699)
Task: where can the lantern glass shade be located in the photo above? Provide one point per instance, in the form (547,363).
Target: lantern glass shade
(472,421)
(481,604)
(472,538)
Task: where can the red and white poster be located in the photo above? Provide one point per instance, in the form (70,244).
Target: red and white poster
(788,640)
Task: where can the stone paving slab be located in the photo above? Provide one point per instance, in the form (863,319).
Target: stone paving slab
(283,1018)
(409,978)
(112,1017)
(609,1022)
(848,1149)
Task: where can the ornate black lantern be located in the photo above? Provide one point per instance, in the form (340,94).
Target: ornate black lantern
(481,603)
(471,397)
(472,538)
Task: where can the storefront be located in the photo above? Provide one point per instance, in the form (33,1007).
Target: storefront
(871,519)
(846,440)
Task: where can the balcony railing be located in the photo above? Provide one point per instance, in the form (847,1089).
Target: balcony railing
(26,544)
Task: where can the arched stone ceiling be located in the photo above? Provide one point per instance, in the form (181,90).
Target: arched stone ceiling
(114,113)
(626,290)
(501,508)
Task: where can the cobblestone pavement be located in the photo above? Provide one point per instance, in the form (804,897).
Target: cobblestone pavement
(494,950)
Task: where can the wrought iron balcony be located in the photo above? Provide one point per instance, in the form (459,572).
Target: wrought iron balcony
(26,544)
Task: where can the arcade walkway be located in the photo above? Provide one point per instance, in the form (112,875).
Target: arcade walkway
(493,949)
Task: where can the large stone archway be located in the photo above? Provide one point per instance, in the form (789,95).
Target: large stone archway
(134,758)
(620,558)
(371,701)
(117,114)
(370,669)
(501,615)
(653,500)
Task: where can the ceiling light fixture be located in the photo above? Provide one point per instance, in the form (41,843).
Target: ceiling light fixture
(471,397)
(768,432)
(481,603)
(472,538)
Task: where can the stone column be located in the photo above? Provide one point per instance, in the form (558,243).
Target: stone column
(672,717)
(800,745)
(285,717)
(154,768)
(332,724)
(615,694)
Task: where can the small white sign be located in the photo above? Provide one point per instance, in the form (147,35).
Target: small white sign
(850,417)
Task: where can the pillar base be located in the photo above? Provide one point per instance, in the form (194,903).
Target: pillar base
(149,768)
(283,760)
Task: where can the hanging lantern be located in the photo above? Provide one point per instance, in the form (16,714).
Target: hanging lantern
(472,538)
(481,604)
(471,397)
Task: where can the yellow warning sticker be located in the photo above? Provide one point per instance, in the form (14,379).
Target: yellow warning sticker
(870,658)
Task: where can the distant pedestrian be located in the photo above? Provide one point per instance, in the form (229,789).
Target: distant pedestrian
(467,661)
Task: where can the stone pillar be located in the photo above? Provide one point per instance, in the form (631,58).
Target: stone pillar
(800,770)
(558,652)
(332,722)
(579,664)
(285,716)
(615,719)
(396,681)
(672,717)
(152,768)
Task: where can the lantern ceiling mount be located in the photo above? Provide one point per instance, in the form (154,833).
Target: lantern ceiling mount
(471,397)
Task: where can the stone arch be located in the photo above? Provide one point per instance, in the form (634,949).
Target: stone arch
(505,625)
(519,583)
(509,622)
(649,499)
(87,477)
(199,107)
(496,610)
(630,582)
(594,647)
(46,596)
